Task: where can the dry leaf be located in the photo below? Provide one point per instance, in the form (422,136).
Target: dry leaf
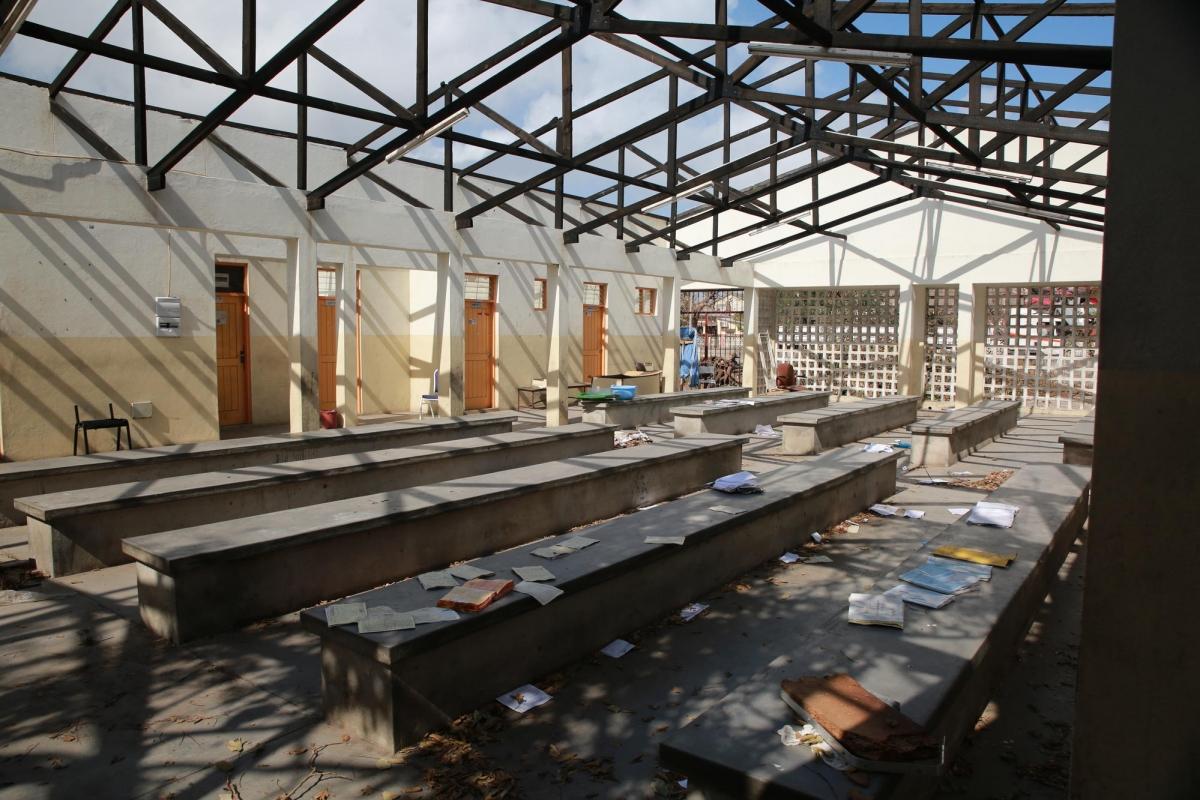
(295,751)
(236,745)
(322,795)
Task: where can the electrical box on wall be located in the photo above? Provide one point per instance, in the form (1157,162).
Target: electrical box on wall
(168,312)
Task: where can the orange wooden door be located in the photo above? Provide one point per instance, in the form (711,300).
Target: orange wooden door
(480,355)
(232,376)
(327,340)
(593,342)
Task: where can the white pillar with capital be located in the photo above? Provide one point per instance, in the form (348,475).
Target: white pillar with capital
(564,306)
(750,355)
(671,322)
(303,389)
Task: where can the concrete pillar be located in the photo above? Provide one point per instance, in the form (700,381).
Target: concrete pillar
(978,329)
(910,372)
(303,393)
(969,298)
(670,333)
(1139,650)
(564,297)
(347,364)
(750,355)
(449,345)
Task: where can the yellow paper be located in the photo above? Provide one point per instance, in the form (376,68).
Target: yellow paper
(976,556)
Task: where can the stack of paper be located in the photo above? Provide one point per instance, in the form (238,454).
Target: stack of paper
(1000,515)
(884,510)
(738,483)
(878,448)
(917,596)
(876,609)
(980,572)
(475,595)
(938,578)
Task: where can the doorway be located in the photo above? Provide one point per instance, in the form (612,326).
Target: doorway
(594,297)
(480,344)
(327,338)
(233,356)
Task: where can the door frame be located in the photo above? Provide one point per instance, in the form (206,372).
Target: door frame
(247,395)
(493,292)
(603,326)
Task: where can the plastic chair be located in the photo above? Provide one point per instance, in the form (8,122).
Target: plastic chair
(113,421)
(430,401)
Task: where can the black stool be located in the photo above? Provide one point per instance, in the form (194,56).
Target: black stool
(99,424)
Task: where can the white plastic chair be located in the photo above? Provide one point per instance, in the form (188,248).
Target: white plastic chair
(430,401)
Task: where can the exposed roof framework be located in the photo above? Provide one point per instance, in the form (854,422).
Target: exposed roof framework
(967,114)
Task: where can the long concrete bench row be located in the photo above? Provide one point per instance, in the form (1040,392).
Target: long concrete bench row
(942,441)
(210,578)
(652,409)
(42,476)
(822,428)
(940,669)
(82,529)
(394,687)
(1078,442)
(742,416)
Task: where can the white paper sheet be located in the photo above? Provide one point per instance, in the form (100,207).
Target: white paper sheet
(878,448)
(1000,515)
(425,616)
(738,483)
(542,592)
(816,537)
(691,611)
(577,542)
(765,430)
(818,560)
(876,609)
(437,580)
(912,513)
(789,558)
(933,481)
(382,619)
(884,510)
(731,510)
(665,539)
(918,596)
(534,573)
(958,511)
(616,648)
(553,551)
(467,572)
(344,613)
(524,698)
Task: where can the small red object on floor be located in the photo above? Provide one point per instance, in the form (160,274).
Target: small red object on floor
(332,418)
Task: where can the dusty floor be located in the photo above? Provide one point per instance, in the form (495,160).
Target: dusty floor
(91,706)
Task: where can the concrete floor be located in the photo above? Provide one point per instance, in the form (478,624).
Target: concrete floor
(91,706)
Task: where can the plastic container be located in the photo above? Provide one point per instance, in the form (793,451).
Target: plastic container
(621,391)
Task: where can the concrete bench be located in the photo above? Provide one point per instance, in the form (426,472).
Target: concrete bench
(652,409)
(940,669)
(1078,442)
(210,578)
(742,417)
(942,441)
(82,529)
(46,475)
(841,423)
(392,688)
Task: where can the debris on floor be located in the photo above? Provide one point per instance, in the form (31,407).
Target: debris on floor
(630,439)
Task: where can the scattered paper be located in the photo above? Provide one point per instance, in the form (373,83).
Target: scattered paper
(691,611)
(976,556)
(878,448)
(961,473)
(543,593)
(424,616)
(1001,515)
(959,511)
(344,613)
(382,619)
(816,537)
(981,572)
(616,648)
(666,539)
(912,513)
(467,572)
(789,736)
(852,529)
(534,573)
(918,596)
(437,580)
(738,483)
(933,481)
(884,510)
(553,551)
(765,430)
(789,558)
(725,509)
(682,783)
(818,560)
(577,542)
(523,699)
(940,579)
(876,609)
(647,508)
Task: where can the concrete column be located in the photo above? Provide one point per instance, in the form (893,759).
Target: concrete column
(449,344)
(1139,650)
(750,357)
(347,365)
(969,297)
(670,336)
(564,303)
(978,329)
(910,377)
(303,395)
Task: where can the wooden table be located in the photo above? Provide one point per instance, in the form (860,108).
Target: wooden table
(537,394)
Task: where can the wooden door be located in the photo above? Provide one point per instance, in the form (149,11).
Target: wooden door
(233,407)
(593,342)
(327,342)
(480,355)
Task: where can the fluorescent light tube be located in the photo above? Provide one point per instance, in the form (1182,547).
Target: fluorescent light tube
(831,54)
(986,174)
(450,121)
(1036,213)
(681,195)
(781,221)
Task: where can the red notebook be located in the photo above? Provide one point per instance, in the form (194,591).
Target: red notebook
(476,594)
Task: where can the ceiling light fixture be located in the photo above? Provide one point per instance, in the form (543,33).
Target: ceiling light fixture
(986,174)
(681,195)
(1036,213)
(843,55)
(448,122)
(784,220)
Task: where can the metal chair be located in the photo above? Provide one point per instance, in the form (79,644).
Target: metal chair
(113,421)
(430,401)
